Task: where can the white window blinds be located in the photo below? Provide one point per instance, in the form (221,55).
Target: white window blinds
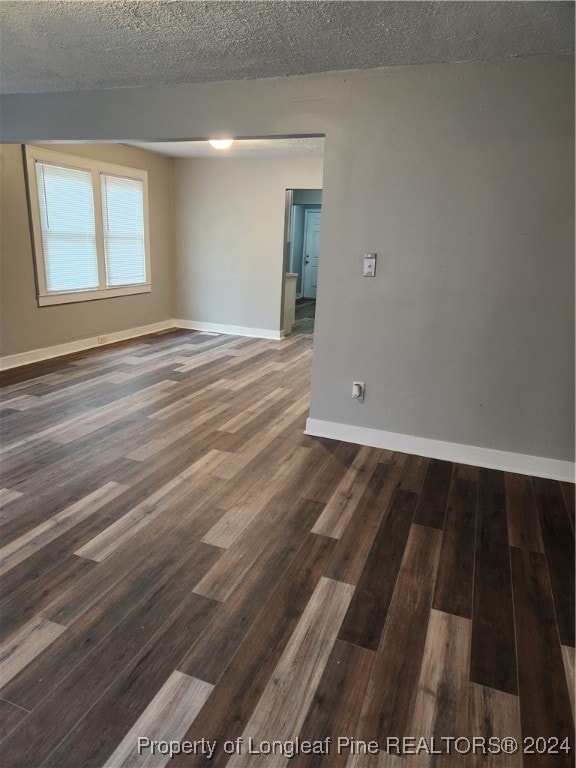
(123,219)
(90,227)
(66,205)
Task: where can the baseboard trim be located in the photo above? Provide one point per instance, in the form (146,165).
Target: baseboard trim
(520,463)
(80,345)
(47,353)
(231,330)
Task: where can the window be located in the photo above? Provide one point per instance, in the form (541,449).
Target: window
(90,227)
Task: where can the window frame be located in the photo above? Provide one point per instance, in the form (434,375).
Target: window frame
(96,168)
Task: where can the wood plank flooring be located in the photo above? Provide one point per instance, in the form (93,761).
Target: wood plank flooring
(182,566)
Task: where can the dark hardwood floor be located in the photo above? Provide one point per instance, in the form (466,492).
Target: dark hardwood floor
(180,562)
(304,316)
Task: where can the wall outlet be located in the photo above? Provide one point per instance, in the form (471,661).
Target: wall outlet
(358,389)
(369,268)
(102,339)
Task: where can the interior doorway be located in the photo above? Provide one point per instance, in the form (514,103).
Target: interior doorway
(302,203)
(303,226)
(310,253)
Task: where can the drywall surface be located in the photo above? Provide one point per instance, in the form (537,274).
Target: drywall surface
(23,325)
(460,177)
(229,217)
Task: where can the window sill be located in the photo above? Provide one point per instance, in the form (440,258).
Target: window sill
(74,297)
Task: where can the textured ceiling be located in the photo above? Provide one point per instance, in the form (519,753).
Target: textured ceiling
(57,45)
(242,148)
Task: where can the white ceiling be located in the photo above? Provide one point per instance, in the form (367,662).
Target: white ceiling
(242,148)
(63,45)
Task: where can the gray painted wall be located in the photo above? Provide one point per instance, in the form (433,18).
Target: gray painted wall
(461,178)
(229,217)
(23,325)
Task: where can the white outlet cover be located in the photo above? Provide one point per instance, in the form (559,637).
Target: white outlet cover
(361,386)
(369,269)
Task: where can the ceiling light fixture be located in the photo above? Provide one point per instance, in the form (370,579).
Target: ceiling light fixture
(221,143)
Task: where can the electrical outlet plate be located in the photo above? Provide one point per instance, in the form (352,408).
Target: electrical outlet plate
(358,390)
(369,268)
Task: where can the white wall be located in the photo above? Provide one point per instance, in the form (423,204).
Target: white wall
(461,178)
(229,216)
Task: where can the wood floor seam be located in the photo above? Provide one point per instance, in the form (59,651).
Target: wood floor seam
(15,705)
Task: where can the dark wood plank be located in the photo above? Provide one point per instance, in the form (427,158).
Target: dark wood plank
(368,610)
(165,538)
(53,500)
(337,703)
(545,703)
(62,709)
(233,700)
(568,494)
(10,717)
(493,713)
(414,473)
(97,735)
(276,524)
(339,457)
(44,564)
(393,684)
(54,554)
(20,463)
(431,510)
(468,472)
(281,710)
(493,655)
(213,652)
(353,548)
(36,594)
(523,523)
(454,585)
(558,540)
(128,599)
(341,506)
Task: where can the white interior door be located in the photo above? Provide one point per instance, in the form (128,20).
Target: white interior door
(311,252)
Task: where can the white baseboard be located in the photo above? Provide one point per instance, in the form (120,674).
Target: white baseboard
(232,330)
(46,353)
(520,463)
(58,350)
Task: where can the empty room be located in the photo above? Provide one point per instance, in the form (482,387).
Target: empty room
(287,384)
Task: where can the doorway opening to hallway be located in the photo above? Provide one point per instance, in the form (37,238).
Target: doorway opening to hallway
(303,224)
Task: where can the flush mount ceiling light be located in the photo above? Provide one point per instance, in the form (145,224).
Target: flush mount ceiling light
(221,143)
